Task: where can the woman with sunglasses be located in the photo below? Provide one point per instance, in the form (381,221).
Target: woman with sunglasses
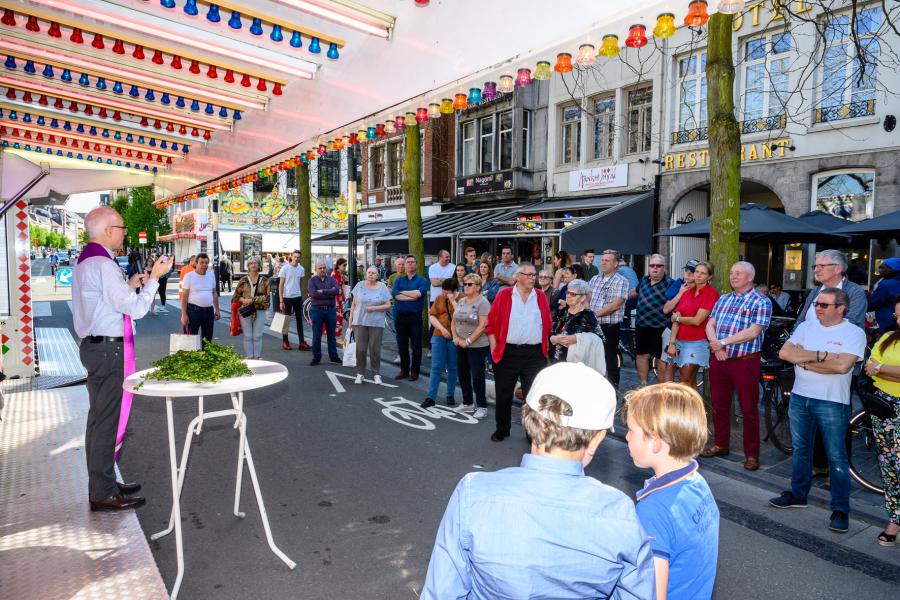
(467,326)
(884,368)
(688,342)
(576,317)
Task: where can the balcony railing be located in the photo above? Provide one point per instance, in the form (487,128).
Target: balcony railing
(771,123)
(393,195)
(686,136)
(861,108)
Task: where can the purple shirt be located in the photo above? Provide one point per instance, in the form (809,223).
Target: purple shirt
(323,291)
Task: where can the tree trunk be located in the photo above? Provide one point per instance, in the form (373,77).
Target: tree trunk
(411,193)
(724,151)
(302,176)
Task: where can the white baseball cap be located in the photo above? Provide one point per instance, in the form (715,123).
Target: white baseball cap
(591,396)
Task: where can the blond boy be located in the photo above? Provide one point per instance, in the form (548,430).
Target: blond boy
(666,431)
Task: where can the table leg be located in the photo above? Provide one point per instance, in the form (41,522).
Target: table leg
(241,444)
(176,508)
(185,452)
(200,413)
(238,406)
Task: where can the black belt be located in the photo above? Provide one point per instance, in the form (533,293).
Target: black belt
(523,345)
(99,339)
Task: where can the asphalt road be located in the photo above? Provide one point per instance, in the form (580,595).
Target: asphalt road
(355,498)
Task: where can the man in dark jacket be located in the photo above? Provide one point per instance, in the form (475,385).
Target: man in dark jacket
(883,298)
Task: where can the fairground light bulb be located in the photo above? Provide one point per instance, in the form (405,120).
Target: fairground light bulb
(731,7)
(610,46)
(665,26)
(542,71)
(585,56)
(506,84)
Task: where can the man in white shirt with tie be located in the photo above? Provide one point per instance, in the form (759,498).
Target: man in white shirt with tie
(101,301)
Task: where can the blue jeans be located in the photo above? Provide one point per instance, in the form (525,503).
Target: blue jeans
(443,356)
(831,418)
(328,316)
(201,320)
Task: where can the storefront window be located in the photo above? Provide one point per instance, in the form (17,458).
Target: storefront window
(487,144)
(570,151)
(692,92)
(526,137)
(766,74)
(469,152)
(395,163)
(846,194)
(843,78)
(376,167)
(506,140)
(640,120)
(604,126)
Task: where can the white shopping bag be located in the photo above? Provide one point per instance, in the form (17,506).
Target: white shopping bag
(184,341)
(280,323)
(349,359)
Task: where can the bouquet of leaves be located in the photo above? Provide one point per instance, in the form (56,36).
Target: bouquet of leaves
(212,364)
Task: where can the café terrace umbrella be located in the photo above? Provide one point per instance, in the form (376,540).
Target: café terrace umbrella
(884,226)
(823,220)
(762,224)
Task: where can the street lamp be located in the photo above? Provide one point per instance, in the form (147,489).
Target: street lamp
(352,215)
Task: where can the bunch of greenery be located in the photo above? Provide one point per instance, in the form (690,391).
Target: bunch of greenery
(212,364)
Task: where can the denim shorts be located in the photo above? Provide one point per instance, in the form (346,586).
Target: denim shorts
(692,353)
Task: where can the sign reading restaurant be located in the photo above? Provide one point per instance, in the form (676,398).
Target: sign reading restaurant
(699,159)
(598,178)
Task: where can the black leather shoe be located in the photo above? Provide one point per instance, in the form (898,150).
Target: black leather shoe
(117,502)
(402,375)
(498,437)
(314,362)
(129,488)
(336,361)
(427,403)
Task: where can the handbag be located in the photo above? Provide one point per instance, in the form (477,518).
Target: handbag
(876,402)
(280,323)
(349,358)
(184,341)
(247,311)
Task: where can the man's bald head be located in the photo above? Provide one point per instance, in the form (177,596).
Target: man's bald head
(98,220)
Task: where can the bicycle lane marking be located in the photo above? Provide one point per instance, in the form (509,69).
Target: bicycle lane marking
(409,413)
(333,377)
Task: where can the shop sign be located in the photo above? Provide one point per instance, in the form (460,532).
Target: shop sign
(775,8)
(749,153)
(598,178)
(190,224)
(483,184)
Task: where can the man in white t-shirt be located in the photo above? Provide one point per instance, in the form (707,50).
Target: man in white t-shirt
(200,300)
(438,272)
(823,351)
(290,286)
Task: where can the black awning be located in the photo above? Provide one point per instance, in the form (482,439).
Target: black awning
(362,230)
(627,228)
(446,225)
(579,203)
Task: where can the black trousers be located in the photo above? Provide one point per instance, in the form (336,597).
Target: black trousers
(294,306)
(409,332)
(201,320)
(518,363)
(611,351)
(162,290)
(104,363)
(470,373)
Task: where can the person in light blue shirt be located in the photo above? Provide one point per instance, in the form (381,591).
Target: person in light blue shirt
(544,529)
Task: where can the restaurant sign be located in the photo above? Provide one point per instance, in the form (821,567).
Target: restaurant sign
(598,178)
(749,153)
(483,184)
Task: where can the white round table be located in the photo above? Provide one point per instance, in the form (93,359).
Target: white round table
(264,373)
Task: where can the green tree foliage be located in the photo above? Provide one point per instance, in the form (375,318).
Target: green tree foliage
(140,214)
(84,238)
(38,234)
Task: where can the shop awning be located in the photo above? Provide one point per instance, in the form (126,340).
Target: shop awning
(450,223)
(627,227)
(369,229)
(581,203)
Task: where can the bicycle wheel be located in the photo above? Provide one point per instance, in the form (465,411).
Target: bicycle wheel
(307,306)
(442,412)
(862,451)
(778,423)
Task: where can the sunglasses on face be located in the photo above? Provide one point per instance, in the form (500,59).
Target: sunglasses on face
(825,304)
(656,266)
(467,284)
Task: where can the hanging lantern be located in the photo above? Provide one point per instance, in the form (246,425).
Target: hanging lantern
(665,26)
(400,122)
(362,134)
(731,7)
(370,133)
(563,63)
(379,130)
(322,149)
(610,46)
(506,84)
(637,36)
(422,114)
(389,127)
(354,139)
(459,102)
(446,107)
(523,77)
(474,96)
(434,111)
(542,71)
(586,55)
(697,14)
(489,92)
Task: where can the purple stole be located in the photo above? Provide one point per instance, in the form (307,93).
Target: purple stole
(92,250)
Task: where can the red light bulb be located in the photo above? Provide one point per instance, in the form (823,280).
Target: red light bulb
(98,42)
(276,89)
(261,86)
(54,30)
(229,76)
(176,62)
(76,36)
(195,67)
(158,57)
(138,52)
(118,47)
(245,80)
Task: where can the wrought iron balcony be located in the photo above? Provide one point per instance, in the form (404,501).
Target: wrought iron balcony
(686,136)
(853,110)
(700,134)
(393,195)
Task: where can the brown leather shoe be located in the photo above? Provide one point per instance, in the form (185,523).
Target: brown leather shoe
(117,502)
(402,375)
(413,376)
(714,450)
(751,464)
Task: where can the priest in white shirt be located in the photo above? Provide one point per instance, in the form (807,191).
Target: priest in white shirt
(103,304)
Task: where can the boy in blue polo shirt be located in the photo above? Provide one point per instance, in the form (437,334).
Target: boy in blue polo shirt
(666,432)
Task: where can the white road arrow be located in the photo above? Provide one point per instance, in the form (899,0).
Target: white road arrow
(339,387)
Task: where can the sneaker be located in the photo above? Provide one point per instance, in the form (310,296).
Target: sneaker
(480,413)
(304,347)
(840,521)
(358,380)
(396,360)
(162,310)
(286,345)
(464,408)
(787,500)
(377,380)
(427,403)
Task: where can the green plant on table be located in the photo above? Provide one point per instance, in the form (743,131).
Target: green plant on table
(210,365)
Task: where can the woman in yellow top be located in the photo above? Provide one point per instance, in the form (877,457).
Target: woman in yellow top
(884,368)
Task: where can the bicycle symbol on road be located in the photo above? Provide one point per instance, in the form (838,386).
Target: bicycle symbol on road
(409,413)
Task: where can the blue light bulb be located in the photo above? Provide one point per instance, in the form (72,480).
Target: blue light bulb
(213,14)
(237,115)
(10,62)
(54,123)
(296,40)
(93,131)
(48,71)
(129,138)
(140,139)
(134,92)
(332,51)
(26,118)
(40,120)
(256,26)
(167,3)
(314,46)
(174,147)
(185,148)
(29,66)
(149,96)
(67,126)
(190,8)
(223,112)
(235,21)
(118,135)
(80,128)
(209,109)
(152,142)
(101,83)
(163,144)
(105,133)
(117,87)
(83,80)
(66,75)
(195,105)
(276,35)
(118,163)
(13,115)
(165,98)
(180,102)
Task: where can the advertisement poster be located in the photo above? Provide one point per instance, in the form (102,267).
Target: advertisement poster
(598,178)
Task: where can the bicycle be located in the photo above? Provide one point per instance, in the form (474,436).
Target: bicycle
(862,453)
(777,379)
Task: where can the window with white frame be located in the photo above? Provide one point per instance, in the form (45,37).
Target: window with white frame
(849,71)
(469,151)
(640,120)
(505,132)
(766,75)
(570,135)
(604,125)
(692,92)
(486,143)
(846,194)
(376,167)
(394,163)
(526,137)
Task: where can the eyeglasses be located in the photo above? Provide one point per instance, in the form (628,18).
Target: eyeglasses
(529,275)
(814,267)
(825,304)
(657,266)
(544,277)
(573,294)
(122,227)
(468,283)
